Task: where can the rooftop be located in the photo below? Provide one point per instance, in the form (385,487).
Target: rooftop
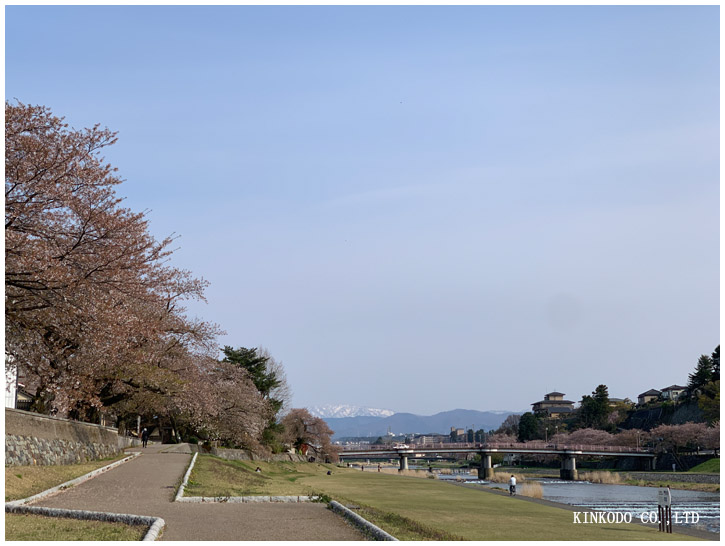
(674,388)
(651,392)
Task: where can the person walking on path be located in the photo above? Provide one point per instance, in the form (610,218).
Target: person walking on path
(144,437)
(512,485)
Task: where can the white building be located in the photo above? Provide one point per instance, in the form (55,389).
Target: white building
(11,383)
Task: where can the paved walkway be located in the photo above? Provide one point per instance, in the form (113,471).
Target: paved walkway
(146,486)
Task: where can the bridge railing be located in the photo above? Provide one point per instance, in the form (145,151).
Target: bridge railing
(502,446)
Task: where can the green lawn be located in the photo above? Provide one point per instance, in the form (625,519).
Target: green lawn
(411,508)
(24,481)
(215,477)
(708,467)
(32,527)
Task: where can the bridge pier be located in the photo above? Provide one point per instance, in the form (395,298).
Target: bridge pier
(485,471)
(403,463)
(568,468)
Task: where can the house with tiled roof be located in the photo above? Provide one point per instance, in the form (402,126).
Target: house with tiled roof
(651,395)
(673,392)
(553,406)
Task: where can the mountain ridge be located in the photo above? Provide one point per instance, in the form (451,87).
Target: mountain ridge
(346,410)
(409,423)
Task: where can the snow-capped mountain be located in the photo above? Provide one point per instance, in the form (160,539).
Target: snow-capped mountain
(331,410)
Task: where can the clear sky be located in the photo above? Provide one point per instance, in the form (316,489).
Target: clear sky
(416,208)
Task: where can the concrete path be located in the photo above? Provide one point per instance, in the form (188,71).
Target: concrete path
(146,486)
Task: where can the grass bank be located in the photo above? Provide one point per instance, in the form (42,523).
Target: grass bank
(708,467)
(216,477)
(684,486)
(411,508)
(24,481)
(32,527)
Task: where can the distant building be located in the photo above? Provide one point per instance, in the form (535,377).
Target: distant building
(430,439)
(457,432)
(613,402)
(553,406)
(650,396)
(673,392)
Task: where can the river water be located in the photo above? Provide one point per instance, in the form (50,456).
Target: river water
(624,498)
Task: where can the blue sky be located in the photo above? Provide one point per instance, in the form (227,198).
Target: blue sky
(416,208)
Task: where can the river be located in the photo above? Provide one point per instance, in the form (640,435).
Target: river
(623,498)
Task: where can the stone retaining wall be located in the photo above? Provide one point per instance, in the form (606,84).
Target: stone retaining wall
(243,455)
(35,439)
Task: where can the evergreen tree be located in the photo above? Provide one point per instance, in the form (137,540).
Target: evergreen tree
(715,358)
(256,365)
(528,427)
(709,401)
(265,380)
(594,409)
(701,376)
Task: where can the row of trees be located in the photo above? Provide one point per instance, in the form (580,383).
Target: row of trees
(670,438)
(95,315)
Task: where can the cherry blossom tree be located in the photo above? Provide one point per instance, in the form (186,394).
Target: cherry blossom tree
(94,312)
(586,436)
(300,427)
(679,437)
(710,437)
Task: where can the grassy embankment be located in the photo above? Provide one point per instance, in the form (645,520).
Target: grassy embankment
(683,486)
(31,527)
(708,467)
(408,507)
(25,481)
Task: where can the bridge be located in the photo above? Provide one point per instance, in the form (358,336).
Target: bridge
(567,453)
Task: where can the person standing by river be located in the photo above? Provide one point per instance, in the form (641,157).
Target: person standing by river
(512,485)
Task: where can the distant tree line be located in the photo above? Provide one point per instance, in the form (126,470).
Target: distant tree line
(597,412)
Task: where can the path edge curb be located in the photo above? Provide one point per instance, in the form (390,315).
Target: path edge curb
(19,506)
(358,521)
(185,480)
(71,483)
(155,524)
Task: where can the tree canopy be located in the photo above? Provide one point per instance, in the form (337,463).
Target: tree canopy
(301,427)
(528,427)
(701,376)
(94,311)
(594,409)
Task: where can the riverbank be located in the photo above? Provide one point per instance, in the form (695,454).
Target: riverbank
(667,481)
(695,533)
(685,481)
(411,508)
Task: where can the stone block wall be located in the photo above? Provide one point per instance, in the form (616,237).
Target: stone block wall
(34,439)
(243,455)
